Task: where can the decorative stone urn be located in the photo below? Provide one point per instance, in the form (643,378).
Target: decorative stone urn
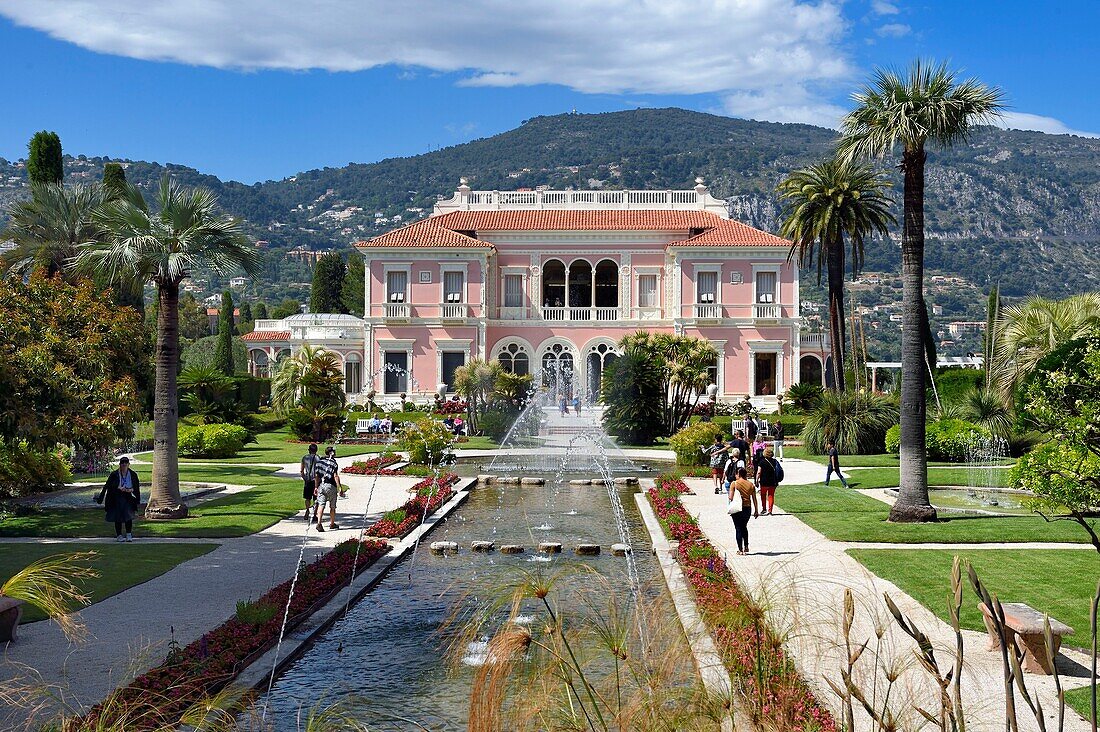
(11,610)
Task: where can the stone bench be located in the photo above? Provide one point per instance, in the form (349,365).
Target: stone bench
(1024,628)
(10,612)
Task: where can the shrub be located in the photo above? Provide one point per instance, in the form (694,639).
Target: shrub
(496,422)
(24,470)
(632,393)
(803,397)
(689,442)
(451,407)
(426,441)
(856,422)
(212,440)
(314,426)
(946,439)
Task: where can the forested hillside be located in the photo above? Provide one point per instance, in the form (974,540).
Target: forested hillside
(1019,207)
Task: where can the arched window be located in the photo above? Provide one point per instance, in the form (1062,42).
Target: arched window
(258,362)
(607,284)
(599,357)
(553,284)
(353,374)
(514,359)
(557,371)
(580,284)
(809,371)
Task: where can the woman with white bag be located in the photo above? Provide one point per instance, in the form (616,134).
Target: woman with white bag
(742,504)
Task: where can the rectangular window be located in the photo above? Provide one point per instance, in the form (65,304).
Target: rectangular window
(453,287)
(647,291)
(450,362)
(765,287)
(397,371)
(396,284)
(706,288)
(513,291)
(712,373)
(353,377)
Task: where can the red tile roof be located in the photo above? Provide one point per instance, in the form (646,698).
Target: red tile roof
(446,230)
(267,335)
(731,233)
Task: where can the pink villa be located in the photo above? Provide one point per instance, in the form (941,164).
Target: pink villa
(547,282)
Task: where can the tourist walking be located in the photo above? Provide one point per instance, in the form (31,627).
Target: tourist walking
(577,405)
(328,488)
(742,505)
(752,427)
(777,439)
(758,447)
(121,496)
(308,470)
(834,464)
(768,476)
(733,464)
(717,455)
(738,443)
(563,405)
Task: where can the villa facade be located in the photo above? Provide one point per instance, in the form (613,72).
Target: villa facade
(547,283)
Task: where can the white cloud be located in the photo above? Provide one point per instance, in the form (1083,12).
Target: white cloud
(783,104)
(881,7)
(740,49)
(1039,123)
(893,30)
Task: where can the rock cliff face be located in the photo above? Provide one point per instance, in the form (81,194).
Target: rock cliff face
(1019,207)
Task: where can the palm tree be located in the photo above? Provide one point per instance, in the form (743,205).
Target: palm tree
(825,203)
(925,105)
(48,229)
(477,381)
(1027,332)
(164,246)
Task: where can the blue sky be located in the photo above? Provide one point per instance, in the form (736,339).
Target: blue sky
(248,92)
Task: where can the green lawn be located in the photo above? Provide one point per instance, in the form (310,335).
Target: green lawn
(883,460)
(1080,700)
(271,500)
(1014,575)
(890,477)
(274,447)
(120,566)
(845,515)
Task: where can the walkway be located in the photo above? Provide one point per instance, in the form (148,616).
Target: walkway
(130,631)
(800,577)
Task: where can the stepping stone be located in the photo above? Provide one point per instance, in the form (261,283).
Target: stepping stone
(440,547)
(482,546)
(586,550)
(550,547)
(580,481)
(533,481)
(620,550)
(629,480)
(508,480)
(511,549)
(486,479)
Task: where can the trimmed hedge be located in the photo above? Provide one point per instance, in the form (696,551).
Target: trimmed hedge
(689,442)
(212,440)
(948,440)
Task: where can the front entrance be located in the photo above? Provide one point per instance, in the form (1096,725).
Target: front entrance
(600,357)
(764,369)
(557,372)
(396,377)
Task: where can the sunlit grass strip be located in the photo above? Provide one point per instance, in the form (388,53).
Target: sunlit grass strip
(51,585)
(777,695)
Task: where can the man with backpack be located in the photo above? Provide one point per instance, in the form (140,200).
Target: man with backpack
(308,470)
(769,474)
(328,488)
(732,465)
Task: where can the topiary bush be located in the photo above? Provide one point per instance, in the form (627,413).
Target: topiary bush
(855,421)
(212,440)
(948,440)
(426,441)
(689,442)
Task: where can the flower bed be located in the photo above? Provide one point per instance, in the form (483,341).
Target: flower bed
(431,493)
(374,466)
(768,680)
(157,698)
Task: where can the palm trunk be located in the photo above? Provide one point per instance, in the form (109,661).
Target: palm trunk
(912,504)
(835,259)
(164,492)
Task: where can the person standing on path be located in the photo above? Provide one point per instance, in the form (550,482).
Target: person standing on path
(563,406)
(742,505)
(717,454)
(767,477)
(308,470)
(777,439)
(577,405)
(751,426)
(734,464)
(834,464)
(758,447)
(738,442)
(121,496)
(328,488)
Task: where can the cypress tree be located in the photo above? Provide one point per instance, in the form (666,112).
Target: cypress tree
(114,180)
(328,283)
(246,316)
(353,292)
(44,158)
(223,354)
(261,311)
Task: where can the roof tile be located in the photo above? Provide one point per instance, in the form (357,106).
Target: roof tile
(267,335)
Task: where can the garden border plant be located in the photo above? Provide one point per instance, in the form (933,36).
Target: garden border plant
(431,493)
(156,699)
(751,651)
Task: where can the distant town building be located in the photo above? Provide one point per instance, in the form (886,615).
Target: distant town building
(238,282)
(961,327)
(212,318)
(305,254)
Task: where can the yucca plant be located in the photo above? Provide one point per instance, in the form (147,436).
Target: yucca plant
(855,422)
(51,585)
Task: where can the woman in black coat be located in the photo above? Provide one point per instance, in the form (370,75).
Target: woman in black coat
(121,496)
